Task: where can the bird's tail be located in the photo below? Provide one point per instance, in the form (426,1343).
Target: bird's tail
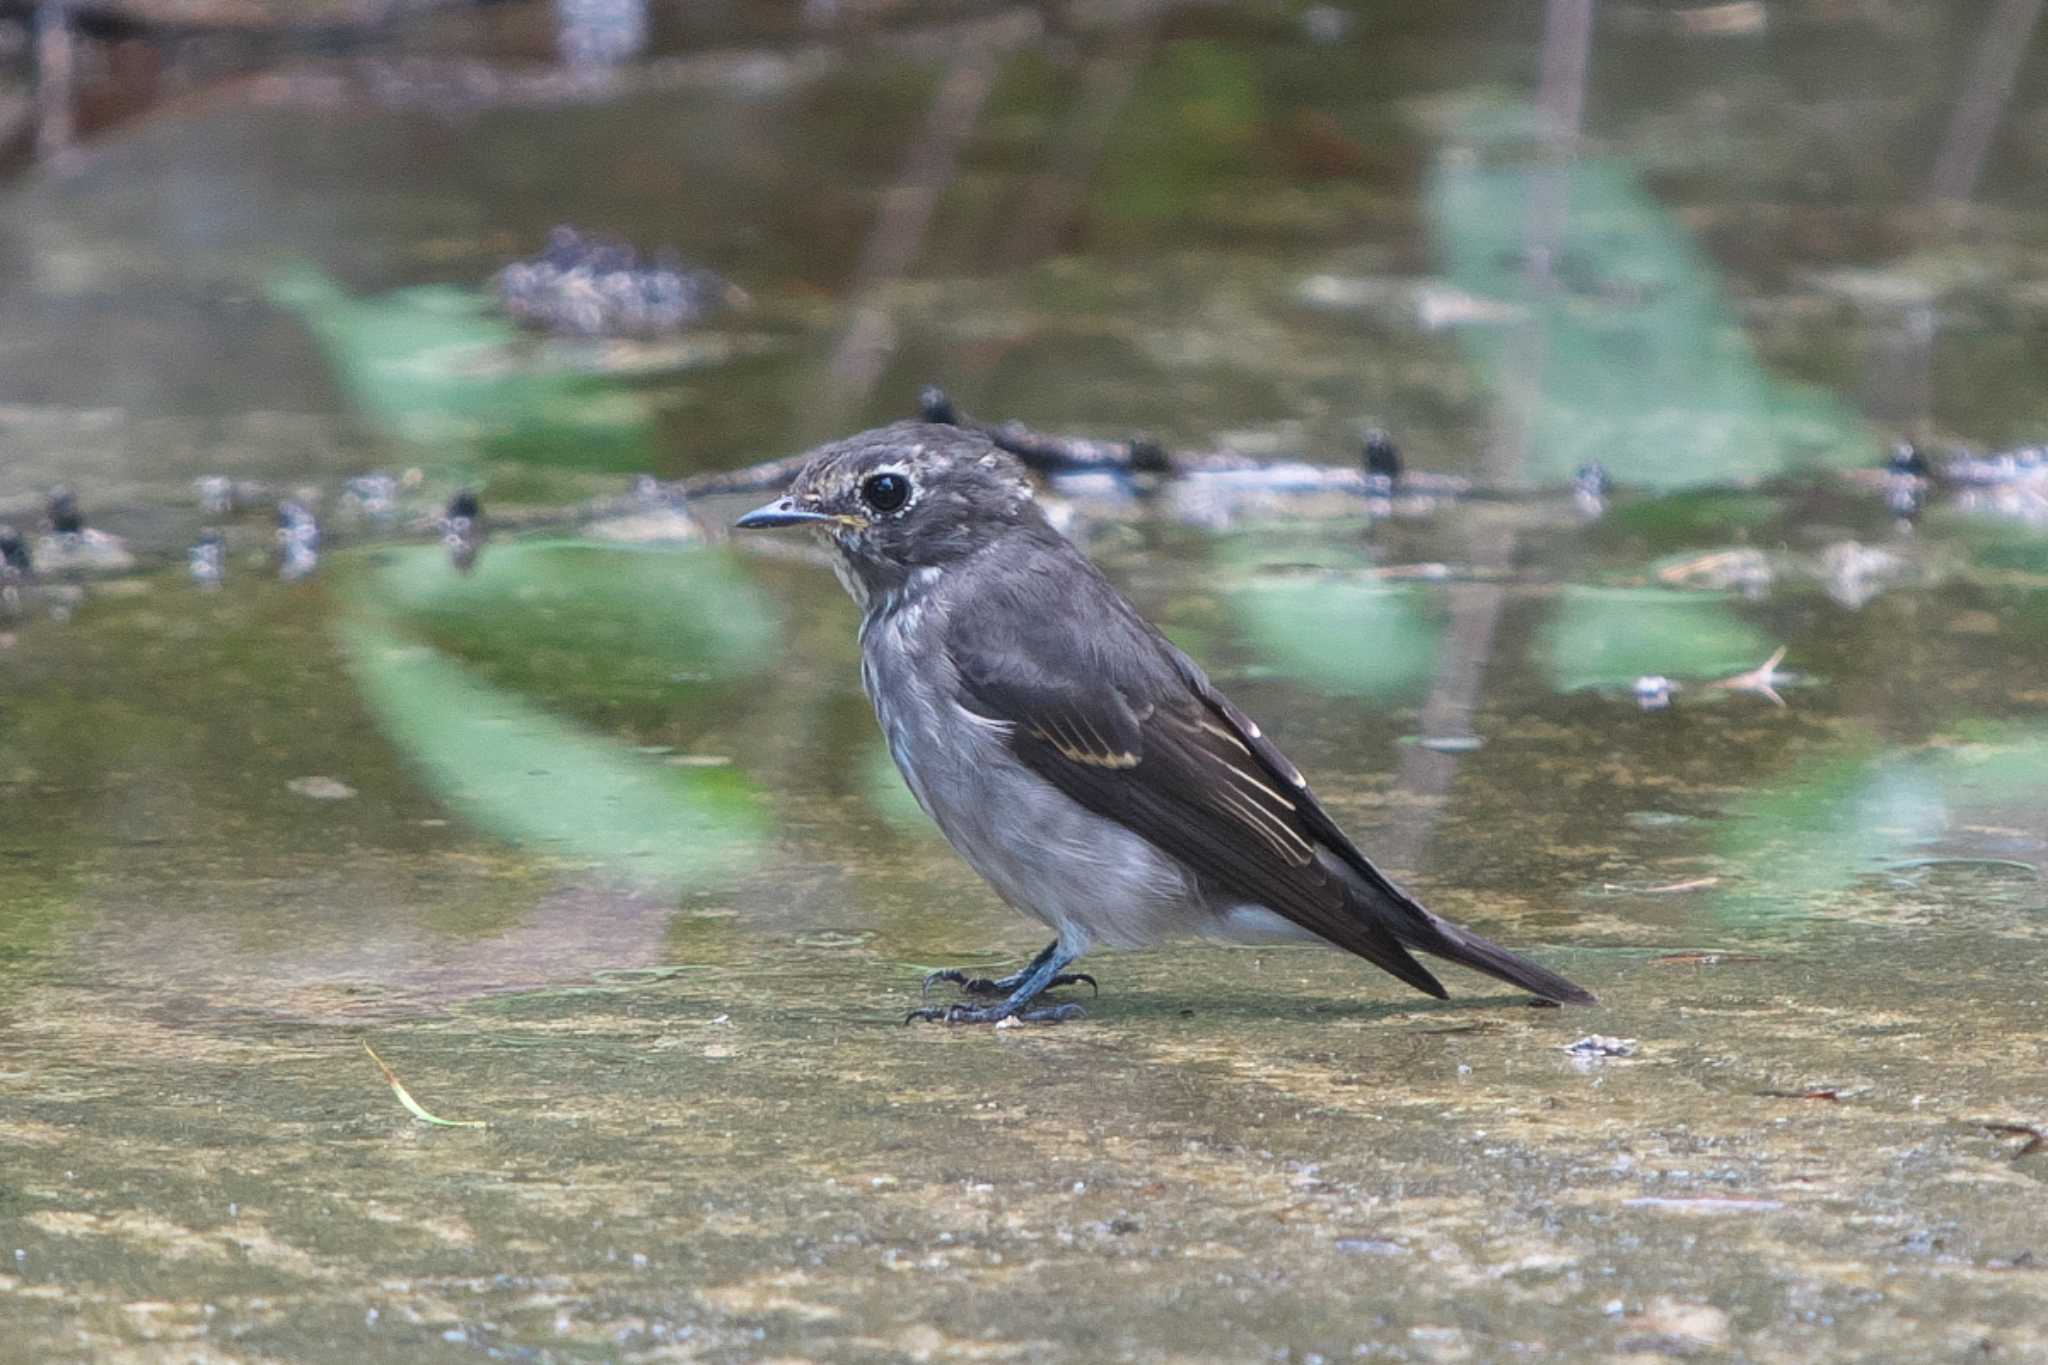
(1394,922)
(1446,940)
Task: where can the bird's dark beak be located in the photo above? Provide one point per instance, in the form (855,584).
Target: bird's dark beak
(781,512)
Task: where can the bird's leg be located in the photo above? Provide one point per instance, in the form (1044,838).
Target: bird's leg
(981,985)
(1042,975)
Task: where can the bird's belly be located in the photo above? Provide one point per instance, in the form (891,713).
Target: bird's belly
(1088,878)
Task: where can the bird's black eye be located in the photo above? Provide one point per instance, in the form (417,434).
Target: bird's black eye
(885,492)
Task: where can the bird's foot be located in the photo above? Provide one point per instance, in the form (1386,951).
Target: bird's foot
(1029,1013)
(982,985)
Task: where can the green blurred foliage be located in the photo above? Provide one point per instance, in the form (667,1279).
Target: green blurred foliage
(1609,637)
(1630,352)
(436,368)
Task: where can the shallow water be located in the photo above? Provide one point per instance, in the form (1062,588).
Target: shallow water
(599,845)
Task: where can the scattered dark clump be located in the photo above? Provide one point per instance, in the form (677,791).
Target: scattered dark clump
(65,517)
(936,406)
(1213,484)
(462,529)
(1149,457)
(582,285)
(1907,474)
(1906,498)
(15,568)
(14,553)
(1382,457)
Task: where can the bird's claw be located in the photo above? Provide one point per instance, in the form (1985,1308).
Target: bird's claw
(975,985)
(994,1014)
(981,985)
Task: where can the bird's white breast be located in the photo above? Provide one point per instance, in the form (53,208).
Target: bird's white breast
(1088,878)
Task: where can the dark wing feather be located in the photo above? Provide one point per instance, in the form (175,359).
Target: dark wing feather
(1127,738)
(1379,895)
(1125,724)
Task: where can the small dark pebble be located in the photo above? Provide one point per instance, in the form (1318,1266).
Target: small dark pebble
(14,553)
(1905,497)
(935,405)
(1909,459)
(585,285)
(462,529)
(65,517)
(1382,458)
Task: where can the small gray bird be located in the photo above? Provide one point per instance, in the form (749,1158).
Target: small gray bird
(1078,761)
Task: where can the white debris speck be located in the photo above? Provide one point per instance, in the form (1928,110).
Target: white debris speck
(1705,1205)
(1653,692)
(321,788)
(1600,1045)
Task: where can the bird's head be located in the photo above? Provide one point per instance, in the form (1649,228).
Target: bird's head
(904,499)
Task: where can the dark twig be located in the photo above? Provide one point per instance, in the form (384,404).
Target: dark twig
(1051,454)
(1144,462)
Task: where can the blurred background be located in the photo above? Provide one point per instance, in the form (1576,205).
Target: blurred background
(1647,297)
(377,381)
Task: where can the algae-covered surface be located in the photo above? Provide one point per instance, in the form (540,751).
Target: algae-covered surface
(598,848)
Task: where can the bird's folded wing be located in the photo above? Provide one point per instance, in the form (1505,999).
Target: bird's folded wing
(1136,735)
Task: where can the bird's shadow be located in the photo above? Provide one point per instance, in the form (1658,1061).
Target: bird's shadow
(1140,1005)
